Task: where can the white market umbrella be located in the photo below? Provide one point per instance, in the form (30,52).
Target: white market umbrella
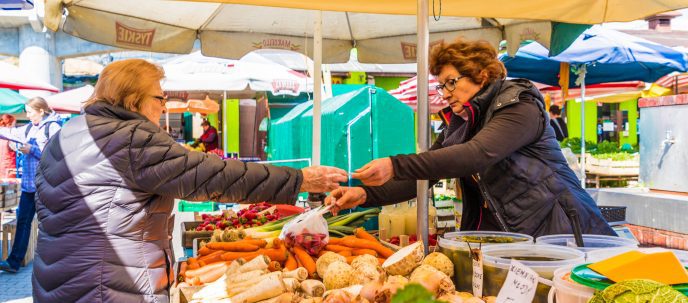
(70,101)
(14,78)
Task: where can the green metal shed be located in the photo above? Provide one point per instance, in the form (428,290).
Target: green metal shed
(357,127)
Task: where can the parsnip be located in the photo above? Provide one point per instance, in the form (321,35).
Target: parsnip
(212,291)
(240,277)
(298,274)
(258,263)
(292,284)
(313,288)
(265,289)
(236,288)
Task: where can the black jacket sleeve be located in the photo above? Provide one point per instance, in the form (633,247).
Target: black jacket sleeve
(395,191)
(161,166)
(510,129)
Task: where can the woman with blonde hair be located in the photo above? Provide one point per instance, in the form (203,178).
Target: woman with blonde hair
(107,185)
(43,125)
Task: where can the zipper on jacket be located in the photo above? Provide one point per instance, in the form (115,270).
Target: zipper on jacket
(488,198)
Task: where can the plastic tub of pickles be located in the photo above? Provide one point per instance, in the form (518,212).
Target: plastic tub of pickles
(457,246)
(543,259)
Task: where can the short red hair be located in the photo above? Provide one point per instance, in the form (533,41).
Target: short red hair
(476,60)
(125,83)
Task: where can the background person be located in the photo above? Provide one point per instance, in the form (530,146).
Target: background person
(43,125)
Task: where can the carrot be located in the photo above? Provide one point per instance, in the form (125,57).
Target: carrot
(232,246)
(216,256)
(364,251)
(291,263)
(322,252)
(376,246)
(305,259)
(350,259)
(205,250)
(208,273)
(182,271)
(257,242)
(381,260)
(195,281)
(345,253)
(336,248)
(193,263)
(334,240)
(279,255)
(274,266)
(362,234)
(233,255)
(201,263)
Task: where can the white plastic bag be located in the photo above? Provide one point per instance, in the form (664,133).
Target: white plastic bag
(308,230)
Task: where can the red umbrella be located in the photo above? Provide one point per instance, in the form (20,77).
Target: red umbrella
(13,78)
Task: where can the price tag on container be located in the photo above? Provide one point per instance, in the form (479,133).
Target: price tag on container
(477,256)
(520,285)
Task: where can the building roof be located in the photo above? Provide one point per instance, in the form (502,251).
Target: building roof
(672,38)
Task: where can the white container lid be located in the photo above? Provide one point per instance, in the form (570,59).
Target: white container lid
(591,242)
(454,240)
(500,255)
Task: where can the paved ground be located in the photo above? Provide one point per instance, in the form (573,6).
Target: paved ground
(16,288)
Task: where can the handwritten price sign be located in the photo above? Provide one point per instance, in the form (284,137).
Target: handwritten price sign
(477,257)
(520,285)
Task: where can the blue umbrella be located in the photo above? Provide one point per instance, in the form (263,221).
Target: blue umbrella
(599,55)
(610,56)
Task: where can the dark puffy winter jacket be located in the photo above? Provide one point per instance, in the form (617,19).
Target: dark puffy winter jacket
(105,188)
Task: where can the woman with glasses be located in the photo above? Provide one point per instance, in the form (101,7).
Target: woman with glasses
(498,143)
(106,188)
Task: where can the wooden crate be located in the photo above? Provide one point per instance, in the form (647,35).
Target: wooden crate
(9,230)
(9,196)
(189,233)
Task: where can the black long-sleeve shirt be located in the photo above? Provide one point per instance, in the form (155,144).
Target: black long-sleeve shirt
(510,129)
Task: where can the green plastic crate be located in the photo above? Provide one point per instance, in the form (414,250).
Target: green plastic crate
(185,206)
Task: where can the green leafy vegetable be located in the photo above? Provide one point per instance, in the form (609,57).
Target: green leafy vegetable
(639,291)
(413,293)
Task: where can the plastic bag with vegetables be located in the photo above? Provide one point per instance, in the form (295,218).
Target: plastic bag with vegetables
(308,230)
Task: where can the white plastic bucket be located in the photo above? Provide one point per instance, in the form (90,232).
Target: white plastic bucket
(567,291)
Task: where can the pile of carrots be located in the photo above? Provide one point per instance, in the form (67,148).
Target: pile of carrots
(214,257)
(361,243)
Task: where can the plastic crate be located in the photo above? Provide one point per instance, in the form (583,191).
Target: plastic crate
(185,206)
(189,233)
(613,214)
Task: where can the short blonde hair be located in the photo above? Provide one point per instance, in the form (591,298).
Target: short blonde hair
(38,103)
(126,83)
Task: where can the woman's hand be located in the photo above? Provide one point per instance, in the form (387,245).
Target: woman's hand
(320,179)
(25,148)
(376,172)
(345,198)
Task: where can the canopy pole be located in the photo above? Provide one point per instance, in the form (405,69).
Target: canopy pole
(317,87)
(423,117)
(224,122)
(583,71)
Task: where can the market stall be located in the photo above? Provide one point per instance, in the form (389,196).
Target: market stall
(259,255)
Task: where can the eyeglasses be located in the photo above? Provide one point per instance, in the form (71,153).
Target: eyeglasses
(162,99)
(450,85)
